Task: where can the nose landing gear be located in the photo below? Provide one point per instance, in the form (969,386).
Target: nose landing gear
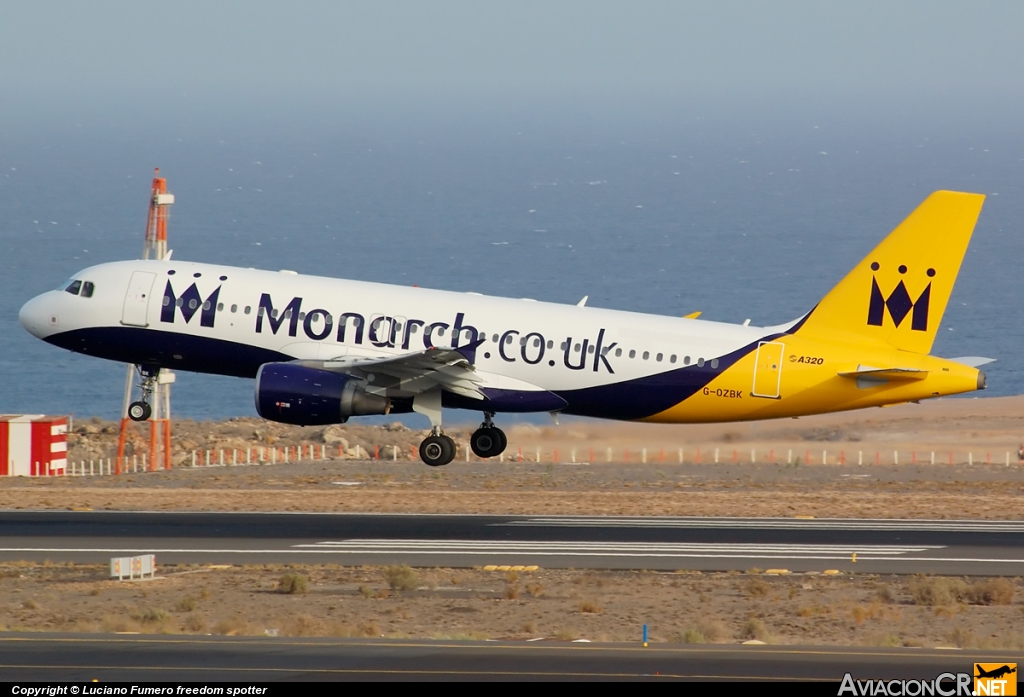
(141,410)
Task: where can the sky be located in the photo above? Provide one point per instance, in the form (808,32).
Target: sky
(108,60)
(797,123)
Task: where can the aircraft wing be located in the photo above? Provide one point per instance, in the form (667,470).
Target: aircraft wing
(884,374)
(413,373)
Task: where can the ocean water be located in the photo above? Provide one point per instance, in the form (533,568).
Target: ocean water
(737,217)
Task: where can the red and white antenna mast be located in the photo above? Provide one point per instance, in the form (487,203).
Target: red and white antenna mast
(155,386)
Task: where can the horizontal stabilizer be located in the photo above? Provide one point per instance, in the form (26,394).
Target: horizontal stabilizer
(973,361)
(865,372)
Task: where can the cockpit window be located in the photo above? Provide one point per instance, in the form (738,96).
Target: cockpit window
(74,287)
(87,289)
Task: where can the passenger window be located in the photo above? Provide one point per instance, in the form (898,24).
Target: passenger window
(658,357)
(206,305)
(302,316)
(564,344)
(632,353)
(576,348)
(672,358)
(234,308)
(618,353)
(74,287)
(550,343)
(494,338)
(700,362)
(220,307)
(87,289)
(248,309)
(522,342)
(714,362)
(536,343)
(591,349)
(647,354)
(686,360)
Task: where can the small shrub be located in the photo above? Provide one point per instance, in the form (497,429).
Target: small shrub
(884,594)
(691,636)
(714,631)
(937,591)
(884,640)
(292,583)
(963,638)
(152,615)
(567,635)
(997,591)
(757,588)
(535,589)
(512,591)
(187,604)
(591,607)
(529,628)
(401,578)
(754,628)
(366,591)
(195,623)
(30,604)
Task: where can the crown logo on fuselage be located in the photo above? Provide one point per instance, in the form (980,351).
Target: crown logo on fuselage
(899,303)
(189,303)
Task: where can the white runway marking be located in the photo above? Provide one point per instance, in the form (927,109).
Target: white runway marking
(619,549)
(1002,526)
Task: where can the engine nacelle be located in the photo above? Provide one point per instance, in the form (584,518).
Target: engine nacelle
(303,396)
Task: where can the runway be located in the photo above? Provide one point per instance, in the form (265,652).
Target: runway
(708,544)
(78,658)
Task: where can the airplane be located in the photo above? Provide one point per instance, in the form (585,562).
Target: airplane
(322,350)
(995,672)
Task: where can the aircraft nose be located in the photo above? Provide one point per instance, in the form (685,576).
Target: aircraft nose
(36,318)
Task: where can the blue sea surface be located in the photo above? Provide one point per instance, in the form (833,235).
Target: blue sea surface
(737,218)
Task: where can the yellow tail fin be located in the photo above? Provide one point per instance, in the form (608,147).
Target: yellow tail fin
(898,293)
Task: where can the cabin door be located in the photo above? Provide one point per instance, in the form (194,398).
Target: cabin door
(768,369)
(136,301)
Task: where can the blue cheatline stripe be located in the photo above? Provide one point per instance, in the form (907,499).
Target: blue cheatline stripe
(626,400)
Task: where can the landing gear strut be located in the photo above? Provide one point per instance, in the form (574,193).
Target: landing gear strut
(488,440)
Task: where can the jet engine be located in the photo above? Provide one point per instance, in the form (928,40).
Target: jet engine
(304,396)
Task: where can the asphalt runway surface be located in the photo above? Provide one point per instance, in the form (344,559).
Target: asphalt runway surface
(987,548)
(64,657)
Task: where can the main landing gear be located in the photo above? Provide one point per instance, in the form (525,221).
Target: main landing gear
(437,449)
(487,441)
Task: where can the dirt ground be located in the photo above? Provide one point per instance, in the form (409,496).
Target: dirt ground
(689,607)
(787,478)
